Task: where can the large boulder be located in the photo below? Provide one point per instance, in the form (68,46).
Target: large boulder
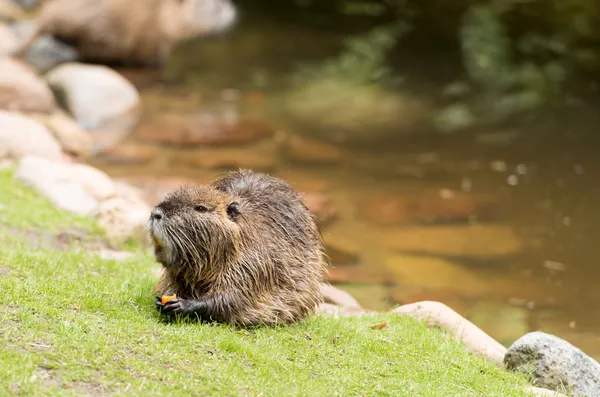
(101,100)
(555,364)
(21,89)
(20,136)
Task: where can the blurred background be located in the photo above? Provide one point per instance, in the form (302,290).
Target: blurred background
(448,148)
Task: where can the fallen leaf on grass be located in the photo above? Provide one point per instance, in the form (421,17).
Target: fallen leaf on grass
(382,325)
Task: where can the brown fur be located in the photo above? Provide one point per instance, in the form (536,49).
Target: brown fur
(264,266)
(133,30)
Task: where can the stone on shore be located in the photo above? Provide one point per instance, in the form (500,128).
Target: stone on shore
(338,297)
(101,100)
(20,136)
(554,364)
(22,90)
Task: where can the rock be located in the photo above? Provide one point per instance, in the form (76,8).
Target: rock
(48,178)
(186,130)
(9,41)
(474,241)
(353,274)
(114,255)
(43,174)
(342,252)
(321,205)
(402,210)
(433,273)
(153,190)
(342,111)
(328,309)
(304,150)
(9,11)
(28,3)
(73,139)
(20,136)
(98,97)
(130,193)
(22,90)
(123,219)
(338,297)
(229,159)
(538,391)
(128,154)
(46,52)
(554,364)
(438,315)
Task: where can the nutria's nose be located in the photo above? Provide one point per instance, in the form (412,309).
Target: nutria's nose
(156,214)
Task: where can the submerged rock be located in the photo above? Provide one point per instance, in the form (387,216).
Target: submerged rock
(20,136)
(342,111)
(322,206)
(481,241)
(426,272)
(304,150)
(398,210)
(183,130)
(22,90)
(554,364)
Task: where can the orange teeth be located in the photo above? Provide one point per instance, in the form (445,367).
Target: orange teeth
(156,240)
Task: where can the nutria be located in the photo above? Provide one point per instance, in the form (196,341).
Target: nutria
(138,31)
(244,250)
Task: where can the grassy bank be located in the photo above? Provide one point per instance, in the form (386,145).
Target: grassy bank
(76,324)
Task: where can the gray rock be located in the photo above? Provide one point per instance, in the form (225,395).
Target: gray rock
(20,136)
(46,52)
(554,364)
(101,100)
(22,90)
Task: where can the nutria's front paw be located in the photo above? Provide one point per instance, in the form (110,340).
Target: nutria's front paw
(181,307)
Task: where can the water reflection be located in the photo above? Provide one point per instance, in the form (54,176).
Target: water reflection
(500,225)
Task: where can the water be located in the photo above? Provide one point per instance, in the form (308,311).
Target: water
(404,227)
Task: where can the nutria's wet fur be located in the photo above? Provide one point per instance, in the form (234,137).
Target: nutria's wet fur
(244,250)
(137,31)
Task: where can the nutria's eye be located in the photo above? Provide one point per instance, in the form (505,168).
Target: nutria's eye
(233,210)
(200,208)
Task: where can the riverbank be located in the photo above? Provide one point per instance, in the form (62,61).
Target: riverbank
(83,323)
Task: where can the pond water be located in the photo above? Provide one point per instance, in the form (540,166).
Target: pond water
(500,225)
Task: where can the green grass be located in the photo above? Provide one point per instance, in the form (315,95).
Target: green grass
(74,324)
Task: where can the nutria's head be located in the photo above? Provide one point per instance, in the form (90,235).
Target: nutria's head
(194,228)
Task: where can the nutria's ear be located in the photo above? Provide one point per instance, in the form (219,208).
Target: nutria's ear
(233,210)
